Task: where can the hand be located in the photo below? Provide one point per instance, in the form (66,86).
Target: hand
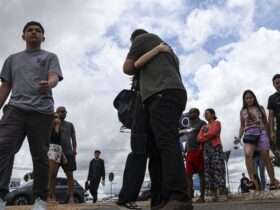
(64,159)
(44,87)
(236,140)
(163,47)
(205,129)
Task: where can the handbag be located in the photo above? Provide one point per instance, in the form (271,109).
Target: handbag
(252,138)
(125,103)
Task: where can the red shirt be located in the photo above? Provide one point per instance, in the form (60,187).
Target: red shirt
(210,132)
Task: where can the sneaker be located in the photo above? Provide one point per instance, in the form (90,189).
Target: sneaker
(2,204)
(39,205)
(178,205)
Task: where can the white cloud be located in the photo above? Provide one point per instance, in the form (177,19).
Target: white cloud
(234,18)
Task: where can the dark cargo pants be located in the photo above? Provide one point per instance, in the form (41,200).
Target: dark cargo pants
(15,125)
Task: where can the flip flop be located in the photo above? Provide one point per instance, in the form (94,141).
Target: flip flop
(130,205)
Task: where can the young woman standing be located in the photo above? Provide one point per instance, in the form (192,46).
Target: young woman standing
(55,156)
(254,127)
(214,165)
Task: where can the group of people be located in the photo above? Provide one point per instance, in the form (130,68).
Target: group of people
(30,76)
(161,99)
(203,152)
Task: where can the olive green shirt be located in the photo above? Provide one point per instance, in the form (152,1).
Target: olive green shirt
(161,72)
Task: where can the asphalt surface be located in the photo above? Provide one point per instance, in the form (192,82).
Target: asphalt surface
(234,205)
(245,205)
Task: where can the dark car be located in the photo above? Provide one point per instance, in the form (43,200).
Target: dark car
(24,194)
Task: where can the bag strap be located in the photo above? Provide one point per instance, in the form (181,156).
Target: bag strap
(135,82)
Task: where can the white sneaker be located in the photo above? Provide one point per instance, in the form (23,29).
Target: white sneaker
(39,205)
(2,204)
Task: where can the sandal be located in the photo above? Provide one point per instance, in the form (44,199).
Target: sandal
(274,185)
(130,205)
(200,200)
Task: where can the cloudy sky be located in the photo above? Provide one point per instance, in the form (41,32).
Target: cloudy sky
(225,47)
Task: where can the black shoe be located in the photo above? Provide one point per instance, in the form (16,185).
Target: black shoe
(129,205)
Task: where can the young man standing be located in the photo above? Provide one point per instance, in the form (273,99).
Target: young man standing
(30,75)
(69,148)
(274,112)
(164,96)
(194,154)
(96,172)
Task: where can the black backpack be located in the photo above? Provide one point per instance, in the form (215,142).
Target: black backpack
(125,103)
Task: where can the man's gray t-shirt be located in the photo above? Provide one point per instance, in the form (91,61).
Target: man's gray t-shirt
(161,72)
(68,137)
(191,133)
(24,71)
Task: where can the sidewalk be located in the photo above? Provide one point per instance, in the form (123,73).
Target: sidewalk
(248,201)
(243,205)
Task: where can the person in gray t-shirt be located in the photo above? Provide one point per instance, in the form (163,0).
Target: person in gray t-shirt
(30,76)
(69,148)
(190,127)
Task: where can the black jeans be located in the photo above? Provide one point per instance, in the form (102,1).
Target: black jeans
(166,163)
(15,125)
(135,166)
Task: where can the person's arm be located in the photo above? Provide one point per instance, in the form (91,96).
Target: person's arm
(271,125)
(54,75)
(103,171)
(128,67)
(5,89)
(73,138)
(242,126)
(200,135)
(161,48)
(6,80)
(266,123)
(89,171)
(46,86)
(213,131)
(135,51)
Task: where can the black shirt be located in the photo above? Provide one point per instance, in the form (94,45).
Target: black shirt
(55,137)
(96,169)
(274,105)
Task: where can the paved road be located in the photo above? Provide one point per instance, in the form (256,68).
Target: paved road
(238,205)
(249,205)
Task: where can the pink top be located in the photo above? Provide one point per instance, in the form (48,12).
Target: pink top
(211,132)
(256,119)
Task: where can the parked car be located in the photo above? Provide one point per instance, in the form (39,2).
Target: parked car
(24,194)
